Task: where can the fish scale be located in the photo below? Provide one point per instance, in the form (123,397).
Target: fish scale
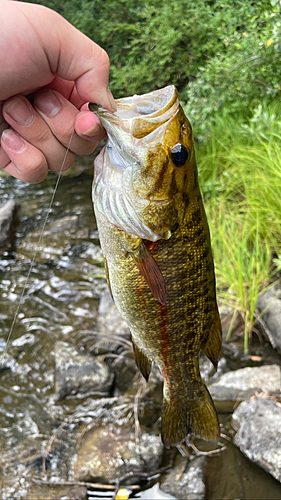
(165,289)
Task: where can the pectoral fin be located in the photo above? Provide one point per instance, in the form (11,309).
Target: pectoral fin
(152,275)
(147,267)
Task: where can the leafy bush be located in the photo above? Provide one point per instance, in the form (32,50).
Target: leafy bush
(219,54)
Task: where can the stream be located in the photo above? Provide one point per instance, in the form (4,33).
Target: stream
(61,297)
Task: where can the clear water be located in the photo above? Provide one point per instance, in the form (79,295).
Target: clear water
(62,293)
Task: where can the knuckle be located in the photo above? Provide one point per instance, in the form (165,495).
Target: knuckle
(42,136)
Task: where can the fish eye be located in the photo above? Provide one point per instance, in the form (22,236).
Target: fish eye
(179,155)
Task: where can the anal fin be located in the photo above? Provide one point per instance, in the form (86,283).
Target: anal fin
(142,362)
(213,345)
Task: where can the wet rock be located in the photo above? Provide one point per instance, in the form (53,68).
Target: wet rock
(269,304)
(239,385)
(7,216)
(186,480)
(258,426)
(207,370)
(78,374)
(57,239)
(109,452)
(6,361)
(110,323)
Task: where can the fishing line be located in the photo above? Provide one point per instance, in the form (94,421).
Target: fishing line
(39,241)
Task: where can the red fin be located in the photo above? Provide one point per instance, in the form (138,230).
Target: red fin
(152,275)
(142,362)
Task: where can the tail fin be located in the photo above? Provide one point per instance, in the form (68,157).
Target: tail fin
(197,416)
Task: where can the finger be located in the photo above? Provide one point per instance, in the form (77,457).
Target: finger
(60,115)
(67,89)
(4,159)
(88,126)
(26,163)
(19,113)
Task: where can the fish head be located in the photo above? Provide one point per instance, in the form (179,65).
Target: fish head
(149,161)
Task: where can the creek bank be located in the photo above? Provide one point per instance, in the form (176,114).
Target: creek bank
(258,433)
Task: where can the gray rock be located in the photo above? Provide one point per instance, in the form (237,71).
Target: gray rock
(269,305)
(78,374)
(207,370)
(186,482)
(240,384)
(7,215)
(258,425)
(109,452)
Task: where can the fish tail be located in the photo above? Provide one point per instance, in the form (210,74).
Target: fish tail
(182,417)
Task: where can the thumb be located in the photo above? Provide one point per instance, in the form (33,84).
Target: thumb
(73,56)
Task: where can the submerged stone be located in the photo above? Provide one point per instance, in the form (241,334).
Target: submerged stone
(258,426)
(109,452)
(186,480)
(79,374)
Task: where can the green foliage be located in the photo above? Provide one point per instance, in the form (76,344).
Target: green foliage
(240,173)
(219,54)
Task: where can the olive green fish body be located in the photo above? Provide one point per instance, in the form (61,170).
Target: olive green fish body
(164,286)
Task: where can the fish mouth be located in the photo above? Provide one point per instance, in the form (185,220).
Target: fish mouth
(139,122)
(140,114)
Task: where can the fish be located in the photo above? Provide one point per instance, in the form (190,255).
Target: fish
(158,259)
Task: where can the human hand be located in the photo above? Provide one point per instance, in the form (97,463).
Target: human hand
(49,72)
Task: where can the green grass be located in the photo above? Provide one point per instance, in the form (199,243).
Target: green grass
(240,172)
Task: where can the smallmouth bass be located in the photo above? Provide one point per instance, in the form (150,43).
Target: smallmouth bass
(155,240)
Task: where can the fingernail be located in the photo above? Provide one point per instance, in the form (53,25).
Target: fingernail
(111,101)
(92,131)
(12,140)
(48,103)
(20,111)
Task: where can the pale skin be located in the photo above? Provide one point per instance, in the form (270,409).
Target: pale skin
(49,72)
